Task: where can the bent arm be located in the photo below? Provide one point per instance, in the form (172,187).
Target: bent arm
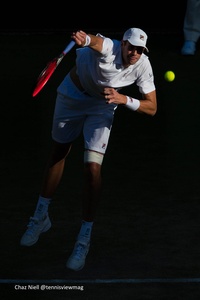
(81,39)
(147,105)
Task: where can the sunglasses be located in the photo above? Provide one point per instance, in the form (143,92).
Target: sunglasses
(136,48)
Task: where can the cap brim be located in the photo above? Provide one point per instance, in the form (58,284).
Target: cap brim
(138,44)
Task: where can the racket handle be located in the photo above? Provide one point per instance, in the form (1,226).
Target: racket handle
(69,47)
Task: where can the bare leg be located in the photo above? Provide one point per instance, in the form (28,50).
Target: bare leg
(91,197)
(40,222)
(54,169)
(92,191)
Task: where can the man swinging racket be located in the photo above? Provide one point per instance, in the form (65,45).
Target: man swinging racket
(86,102)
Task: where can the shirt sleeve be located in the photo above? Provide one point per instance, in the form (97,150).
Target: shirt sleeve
(107,50)
(145,81)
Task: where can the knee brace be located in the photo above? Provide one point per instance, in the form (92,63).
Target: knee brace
(92,156)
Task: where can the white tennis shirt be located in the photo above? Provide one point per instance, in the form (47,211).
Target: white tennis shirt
(105,69)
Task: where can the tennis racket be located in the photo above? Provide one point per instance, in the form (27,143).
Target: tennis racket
(50,68)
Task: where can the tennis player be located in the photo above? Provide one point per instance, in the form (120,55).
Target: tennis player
(86,102)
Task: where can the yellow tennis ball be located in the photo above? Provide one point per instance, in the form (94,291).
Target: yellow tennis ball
(169,76)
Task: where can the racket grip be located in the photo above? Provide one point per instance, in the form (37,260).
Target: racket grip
(69,47)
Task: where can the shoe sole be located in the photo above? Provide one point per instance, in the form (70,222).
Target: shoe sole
(73,269)
(187,53)
(81,267)
(45,229)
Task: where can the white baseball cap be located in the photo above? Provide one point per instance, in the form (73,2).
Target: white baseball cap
(136,37)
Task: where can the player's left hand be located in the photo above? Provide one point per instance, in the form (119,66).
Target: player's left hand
(112,96)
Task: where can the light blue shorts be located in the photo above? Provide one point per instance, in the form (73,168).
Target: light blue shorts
(78,113)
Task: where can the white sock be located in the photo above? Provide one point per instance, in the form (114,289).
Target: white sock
(86,230)
(42,207)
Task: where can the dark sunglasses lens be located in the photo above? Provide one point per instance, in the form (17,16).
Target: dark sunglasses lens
(136,48)
(139,50)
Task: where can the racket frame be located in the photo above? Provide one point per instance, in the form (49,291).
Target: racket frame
(48,71)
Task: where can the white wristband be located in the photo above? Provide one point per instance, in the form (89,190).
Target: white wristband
(87,41)
(132,103)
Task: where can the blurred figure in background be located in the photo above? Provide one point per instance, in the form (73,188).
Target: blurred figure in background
(191,27)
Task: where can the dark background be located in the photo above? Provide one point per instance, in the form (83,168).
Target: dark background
(46,16)
(147,225)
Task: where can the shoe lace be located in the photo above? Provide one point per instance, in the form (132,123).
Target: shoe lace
(32,226)
(80,250)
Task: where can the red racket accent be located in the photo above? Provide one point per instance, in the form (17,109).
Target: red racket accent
(49,69)
(44,77)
